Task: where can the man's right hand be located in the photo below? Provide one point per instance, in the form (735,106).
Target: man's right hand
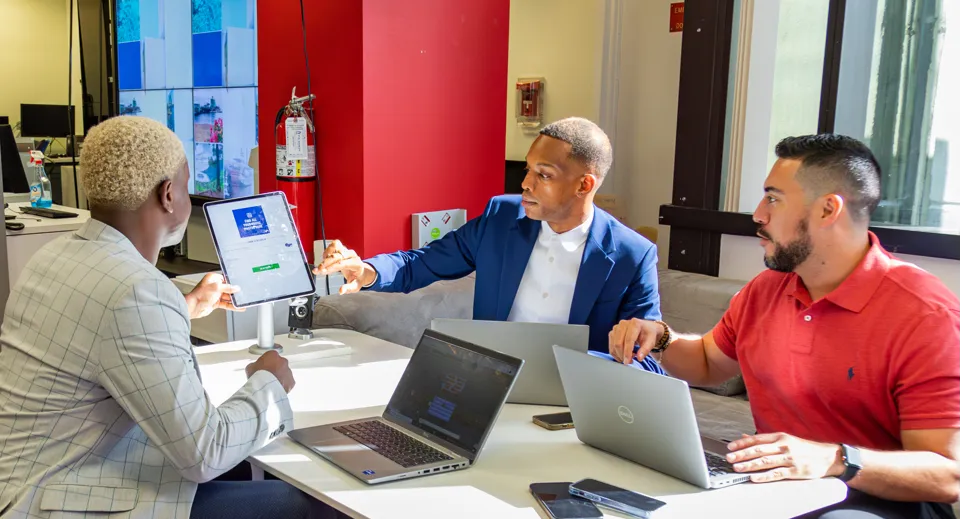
(275,364)
(626,334)
(337,258)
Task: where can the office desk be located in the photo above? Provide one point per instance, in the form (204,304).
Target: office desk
(37,232)
(516,454)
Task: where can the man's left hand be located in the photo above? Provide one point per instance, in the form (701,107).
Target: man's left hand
(776,456)
(211,294)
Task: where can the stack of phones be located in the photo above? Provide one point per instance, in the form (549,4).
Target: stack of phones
(577,500)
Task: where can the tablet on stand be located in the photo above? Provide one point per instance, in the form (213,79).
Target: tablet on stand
(260,252)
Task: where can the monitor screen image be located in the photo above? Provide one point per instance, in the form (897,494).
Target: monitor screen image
(192,65)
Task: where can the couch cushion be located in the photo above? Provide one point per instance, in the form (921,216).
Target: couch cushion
(694,303)
(397,318)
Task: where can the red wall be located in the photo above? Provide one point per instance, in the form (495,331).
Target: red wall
(334,36)
(435,110)
(410,111)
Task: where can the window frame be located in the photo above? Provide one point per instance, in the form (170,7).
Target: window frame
(693,215)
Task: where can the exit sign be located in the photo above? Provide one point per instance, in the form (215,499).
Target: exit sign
(677,17)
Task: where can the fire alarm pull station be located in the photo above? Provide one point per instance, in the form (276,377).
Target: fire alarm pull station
(529,109)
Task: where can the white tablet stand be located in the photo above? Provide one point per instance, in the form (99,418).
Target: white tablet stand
(266,331)
(298,346)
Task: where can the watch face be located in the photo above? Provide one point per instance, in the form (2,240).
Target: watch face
(851,456)
(852,460)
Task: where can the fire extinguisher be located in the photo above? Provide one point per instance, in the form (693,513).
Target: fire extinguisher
(295,166)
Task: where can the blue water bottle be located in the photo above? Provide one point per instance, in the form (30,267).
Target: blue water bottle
(40,190)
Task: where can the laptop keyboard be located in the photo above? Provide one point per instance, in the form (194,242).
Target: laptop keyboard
(390,443)
(717,465)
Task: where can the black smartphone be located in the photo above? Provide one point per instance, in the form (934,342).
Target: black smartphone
(554,421)
(559,503)
(623,500)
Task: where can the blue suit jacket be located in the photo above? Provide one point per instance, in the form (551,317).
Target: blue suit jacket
(617,278)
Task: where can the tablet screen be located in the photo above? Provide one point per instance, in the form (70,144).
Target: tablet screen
(259,248)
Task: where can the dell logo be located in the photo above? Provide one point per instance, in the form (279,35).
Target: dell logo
(625,414)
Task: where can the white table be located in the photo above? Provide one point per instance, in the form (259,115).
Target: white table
(37,232)
(516,454)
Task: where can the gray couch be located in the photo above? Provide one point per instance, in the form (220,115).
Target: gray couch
(689,303)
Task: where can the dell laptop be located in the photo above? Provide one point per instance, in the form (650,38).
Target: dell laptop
(642,417)
(532,342)
(437,420)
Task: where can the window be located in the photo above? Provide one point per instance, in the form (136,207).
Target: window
(784,67)
(752,72)
(898,92)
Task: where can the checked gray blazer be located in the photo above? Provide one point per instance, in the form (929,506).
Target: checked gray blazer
(102,411)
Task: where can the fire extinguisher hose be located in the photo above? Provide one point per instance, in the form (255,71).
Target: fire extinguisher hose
(278,116)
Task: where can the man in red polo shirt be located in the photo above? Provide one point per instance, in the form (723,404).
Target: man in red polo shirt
(850,356)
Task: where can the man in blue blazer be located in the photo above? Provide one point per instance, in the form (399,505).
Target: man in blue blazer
(548,256)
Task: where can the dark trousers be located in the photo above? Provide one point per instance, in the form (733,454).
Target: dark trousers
(256,500)
(859,505)
(234,496)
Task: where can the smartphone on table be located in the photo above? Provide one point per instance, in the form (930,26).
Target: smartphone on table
(554,421)
(620,499)
(557,501)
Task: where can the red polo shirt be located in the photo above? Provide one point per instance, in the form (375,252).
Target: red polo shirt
(878,355)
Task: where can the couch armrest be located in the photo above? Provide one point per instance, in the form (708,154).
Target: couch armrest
(397,318)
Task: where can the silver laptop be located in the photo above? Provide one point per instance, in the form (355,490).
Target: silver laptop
(437,420)
(532,342)
(643,417)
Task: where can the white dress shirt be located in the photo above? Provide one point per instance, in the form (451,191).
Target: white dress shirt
(547,288)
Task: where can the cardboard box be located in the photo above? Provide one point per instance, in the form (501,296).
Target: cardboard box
(613,205)
(434,225)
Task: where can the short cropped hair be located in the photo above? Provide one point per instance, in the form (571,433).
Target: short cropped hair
(589,144)
(837,164)
(125,158)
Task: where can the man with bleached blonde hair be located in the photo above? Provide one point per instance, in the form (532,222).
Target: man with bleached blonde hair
(102,410)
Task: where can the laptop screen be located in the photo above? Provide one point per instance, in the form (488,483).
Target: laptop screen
(452,390)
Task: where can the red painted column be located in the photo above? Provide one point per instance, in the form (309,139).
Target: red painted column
(410,112)
(435,110)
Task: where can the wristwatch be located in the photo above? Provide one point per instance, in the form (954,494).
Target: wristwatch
(664,340)
(852,460)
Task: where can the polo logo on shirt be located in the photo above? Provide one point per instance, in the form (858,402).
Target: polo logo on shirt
(851,373)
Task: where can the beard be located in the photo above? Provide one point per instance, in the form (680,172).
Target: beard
(788,256)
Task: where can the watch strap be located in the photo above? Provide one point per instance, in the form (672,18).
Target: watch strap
(664,340)
(852,461)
